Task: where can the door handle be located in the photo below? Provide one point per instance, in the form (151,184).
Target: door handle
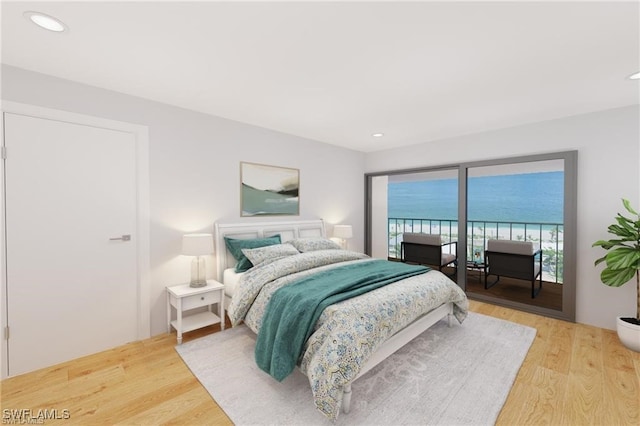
(126,237)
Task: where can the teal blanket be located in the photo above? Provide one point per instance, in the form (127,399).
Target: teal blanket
(294,309)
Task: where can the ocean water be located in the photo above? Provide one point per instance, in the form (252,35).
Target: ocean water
(528,197)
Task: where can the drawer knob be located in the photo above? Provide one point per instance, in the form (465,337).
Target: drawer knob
(202,298)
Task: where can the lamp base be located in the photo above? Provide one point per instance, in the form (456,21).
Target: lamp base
(197,284)
(198,273)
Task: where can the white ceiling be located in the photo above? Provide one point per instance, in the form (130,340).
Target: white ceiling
(338,72)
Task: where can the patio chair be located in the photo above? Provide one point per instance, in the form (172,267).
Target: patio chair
(428,249)
(514,259)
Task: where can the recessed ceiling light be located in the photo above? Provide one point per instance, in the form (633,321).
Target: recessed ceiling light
(377,135)
(45,21)
(635,76)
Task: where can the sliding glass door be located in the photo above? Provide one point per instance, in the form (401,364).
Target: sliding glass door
(528,199)
(517,202)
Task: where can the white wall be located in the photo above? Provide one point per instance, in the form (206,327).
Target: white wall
(608,153)
(195,171)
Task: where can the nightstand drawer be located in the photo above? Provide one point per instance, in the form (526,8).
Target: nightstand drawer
(202,299)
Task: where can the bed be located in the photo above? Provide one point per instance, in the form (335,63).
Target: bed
(349,337)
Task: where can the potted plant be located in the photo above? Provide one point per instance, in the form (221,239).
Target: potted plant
(622,264)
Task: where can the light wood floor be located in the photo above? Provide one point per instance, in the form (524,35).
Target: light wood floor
(573,375)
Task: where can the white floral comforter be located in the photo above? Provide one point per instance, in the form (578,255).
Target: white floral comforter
(348,332)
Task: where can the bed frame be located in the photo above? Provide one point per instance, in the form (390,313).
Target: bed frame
(315,228)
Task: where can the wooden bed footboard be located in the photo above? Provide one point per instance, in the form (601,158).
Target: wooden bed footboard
(397,341)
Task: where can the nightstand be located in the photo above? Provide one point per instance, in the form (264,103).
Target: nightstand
(183,298)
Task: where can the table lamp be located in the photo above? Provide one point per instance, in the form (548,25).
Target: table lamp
(197,245)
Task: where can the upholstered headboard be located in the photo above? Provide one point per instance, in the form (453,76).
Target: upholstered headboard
(287,230)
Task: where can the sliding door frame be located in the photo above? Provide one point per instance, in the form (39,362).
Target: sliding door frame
(570,158)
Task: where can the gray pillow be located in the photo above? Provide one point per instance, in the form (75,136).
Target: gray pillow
(268,254)
(313,244)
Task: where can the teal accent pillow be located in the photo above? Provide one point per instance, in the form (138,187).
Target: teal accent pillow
(235,246)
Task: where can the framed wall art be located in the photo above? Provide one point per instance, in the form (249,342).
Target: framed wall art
(269,190)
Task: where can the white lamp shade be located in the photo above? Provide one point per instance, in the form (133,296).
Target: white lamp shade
(343,231)
(197,244)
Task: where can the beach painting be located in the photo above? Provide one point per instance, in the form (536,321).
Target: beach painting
(269,190)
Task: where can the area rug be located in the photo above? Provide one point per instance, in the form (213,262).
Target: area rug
(446,376)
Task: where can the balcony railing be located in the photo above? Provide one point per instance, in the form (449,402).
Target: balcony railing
(549,236)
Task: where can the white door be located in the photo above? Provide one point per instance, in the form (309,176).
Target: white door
(71,275)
